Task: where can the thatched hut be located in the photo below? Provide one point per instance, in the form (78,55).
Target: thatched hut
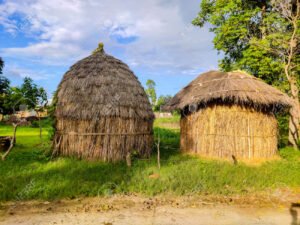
(102,111)
(227,115)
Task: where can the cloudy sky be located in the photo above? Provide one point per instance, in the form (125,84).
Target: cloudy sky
(42,39)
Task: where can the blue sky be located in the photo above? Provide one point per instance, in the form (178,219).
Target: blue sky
(42,39)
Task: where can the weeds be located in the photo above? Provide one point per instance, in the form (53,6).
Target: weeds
(30,173)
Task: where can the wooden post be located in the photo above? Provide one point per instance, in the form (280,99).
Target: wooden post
(128,159)
(249,138)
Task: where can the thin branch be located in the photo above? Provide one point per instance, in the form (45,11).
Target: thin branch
(12,142)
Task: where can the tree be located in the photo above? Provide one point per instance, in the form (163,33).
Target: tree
(282,40)
(1,65)
(4,94)
(4,85)
(32,95)
(4,89)
(161,101)
(28,94)
(234,23)
(261,37)
(151,93)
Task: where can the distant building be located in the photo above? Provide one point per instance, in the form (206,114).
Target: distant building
(31,113)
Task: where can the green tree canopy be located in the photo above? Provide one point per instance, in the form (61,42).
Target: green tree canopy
(28,94)
(4,85)
(261,37)
(5,91)
(32,95)
(161,101)
(1,65)
(151,92)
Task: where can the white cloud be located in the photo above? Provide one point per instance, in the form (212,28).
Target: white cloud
(14,71)
(69,30)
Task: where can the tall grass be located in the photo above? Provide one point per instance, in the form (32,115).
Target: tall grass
(29,172)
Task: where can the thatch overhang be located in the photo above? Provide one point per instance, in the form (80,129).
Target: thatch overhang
(236,88)
(101,86)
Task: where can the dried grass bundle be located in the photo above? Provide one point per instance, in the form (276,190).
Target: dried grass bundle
(224,131)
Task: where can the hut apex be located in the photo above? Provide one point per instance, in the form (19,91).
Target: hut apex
(102,112)
(229,115)
(99,49)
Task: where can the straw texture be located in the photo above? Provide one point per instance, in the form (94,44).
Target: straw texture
(233,87)
(227,115)
(102,111)
(222,131)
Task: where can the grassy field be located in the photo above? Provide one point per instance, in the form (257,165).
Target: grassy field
(30,173)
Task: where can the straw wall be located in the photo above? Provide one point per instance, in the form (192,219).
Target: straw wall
(107,139)
(223,131)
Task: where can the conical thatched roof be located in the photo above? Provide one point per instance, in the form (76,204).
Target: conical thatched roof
(230,87)
(101,86)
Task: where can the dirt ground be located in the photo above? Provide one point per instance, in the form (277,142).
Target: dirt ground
(121,210)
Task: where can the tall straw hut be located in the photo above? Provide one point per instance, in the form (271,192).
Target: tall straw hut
(229,115)
(102,111)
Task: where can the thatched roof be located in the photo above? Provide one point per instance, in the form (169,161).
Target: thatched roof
(101,86)
(233,88)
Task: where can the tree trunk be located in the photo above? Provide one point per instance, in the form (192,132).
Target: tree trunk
(12,142)
(294,120)
(263,15)
(292,78)
(15,125)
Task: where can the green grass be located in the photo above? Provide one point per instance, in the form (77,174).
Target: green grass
(173,119)
(170,123)
(29,172)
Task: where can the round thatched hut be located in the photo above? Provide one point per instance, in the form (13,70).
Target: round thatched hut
(229,115)
(102,111)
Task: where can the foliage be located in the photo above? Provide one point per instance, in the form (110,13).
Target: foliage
(234,23)
(262,38)
(252,34)
(32,95)
(283,124)
(29,172)
(4,85)
(151,93)
(1,65)
(290,153)
(51,111)
(4,93)
(4,88)
(161,101)
(14,98)
(45,123)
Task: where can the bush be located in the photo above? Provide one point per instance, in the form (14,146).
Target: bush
(283,123)
(47,123)
(289,153)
